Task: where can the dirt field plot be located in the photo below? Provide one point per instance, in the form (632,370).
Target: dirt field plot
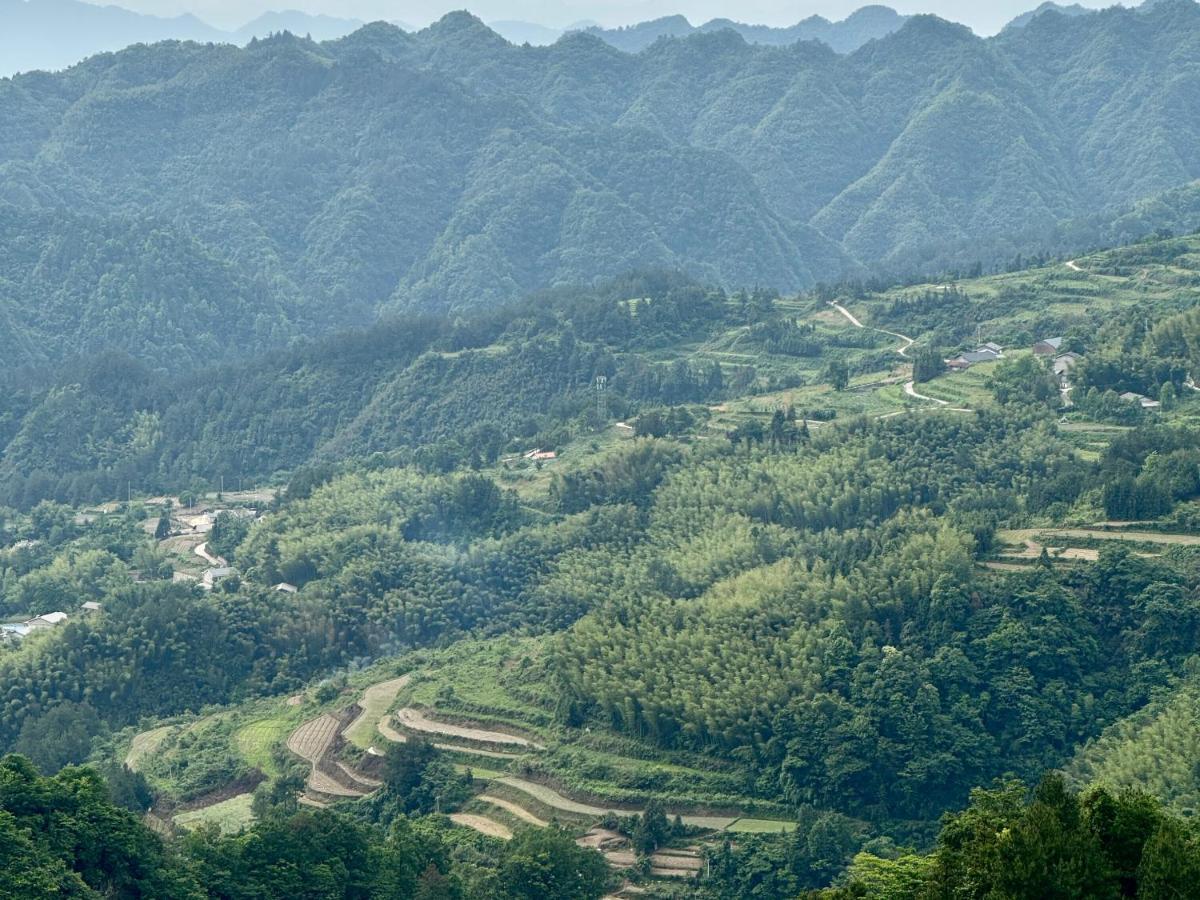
(555,800)
(1066,535)
(312,739)
(483,825)
(384,727)
(416,720)
(325,784)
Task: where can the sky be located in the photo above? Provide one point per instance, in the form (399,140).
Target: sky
(984,16)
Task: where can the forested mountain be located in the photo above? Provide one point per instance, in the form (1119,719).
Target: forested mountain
(54,34)
(448,169)
(1024,19)
(844,36)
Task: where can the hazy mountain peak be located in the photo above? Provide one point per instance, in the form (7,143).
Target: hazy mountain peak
(928,26)
(1049,6)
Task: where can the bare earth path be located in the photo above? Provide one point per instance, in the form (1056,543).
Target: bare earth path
(849,315)
(910,387)
(202,552)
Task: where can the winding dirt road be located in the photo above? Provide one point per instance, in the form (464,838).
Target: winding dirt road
(911,389)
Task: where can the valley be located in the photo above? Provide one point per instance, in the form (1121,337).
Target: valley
(676,462)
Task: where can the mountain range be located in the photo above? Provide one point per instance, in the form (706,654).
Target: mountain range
(293,186)
(54,34)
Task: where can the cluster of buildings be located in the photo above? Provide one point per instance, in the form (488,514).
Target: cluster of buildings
(988,352)
(15,631)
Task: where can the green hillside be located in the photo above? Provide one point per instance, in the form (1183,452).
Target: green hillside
(448,169)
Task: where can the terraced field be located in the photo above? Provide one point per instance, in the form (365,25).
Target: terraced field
(312,739)
(1071,544)
(146,743)
(553,799)
(375,702)
(312,742)
(519,811)
(384,727)
(417,720)
(228,815)
(256,741)
(760,826)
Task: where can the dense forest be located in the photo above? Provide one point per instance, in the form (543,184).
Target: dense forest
(383,171)
(440,393)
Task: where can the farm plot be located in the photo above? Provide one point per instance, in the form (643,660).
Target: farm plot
(760,826)
(397,737)
(324,783)
(416,720)
(228,815)
(256,741)
(519,811)
(312,742)
(553,799)
(312,739)
(146,743)
(483,825)
(1066,535)
(664,864)
(374,702)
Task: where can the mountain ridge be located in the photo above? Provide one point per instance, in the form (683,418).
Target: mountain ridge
(449,169)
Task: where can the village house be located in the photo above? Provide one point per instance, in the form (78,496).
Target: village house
(1143,401)
(11,633)
(48,620)
(286,588)
(91,607)
(214,576)
(1047,347)
(984,353)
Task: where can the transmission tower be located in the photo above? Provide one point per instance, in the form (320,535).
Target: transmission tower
(601,388)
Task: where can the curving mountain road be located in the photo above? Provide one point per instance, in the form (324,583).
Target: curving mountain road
(910,388)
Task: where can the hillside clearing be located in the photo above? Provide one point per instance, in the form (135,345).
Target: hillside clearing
(228,815)
(146,743)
